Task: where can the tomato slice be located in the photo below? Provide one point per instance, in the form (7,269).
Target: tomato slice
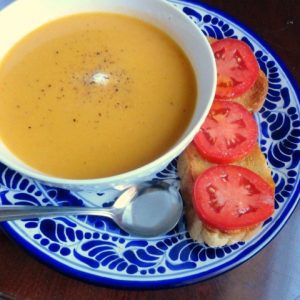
(231,197)
(237,68)
(229,133)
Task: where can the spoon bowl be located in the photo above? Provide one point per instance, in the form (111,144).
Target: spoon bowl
(154,210)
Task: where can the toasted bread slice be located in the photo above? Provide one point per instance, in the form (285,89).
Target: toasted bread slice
(254,98)
(190,165)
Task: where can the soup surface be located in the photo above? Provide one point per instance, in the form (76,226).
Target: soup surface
(94,95)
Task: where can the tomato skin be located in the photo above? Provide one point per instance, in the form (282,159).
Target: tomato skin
(237,68)
(228,134)
(232,198)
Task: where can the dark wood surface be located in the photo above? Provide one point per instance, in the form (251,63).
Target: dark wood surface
(274,273)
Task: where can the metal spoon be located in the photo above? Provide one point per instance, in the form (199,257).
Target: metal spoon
(146,210)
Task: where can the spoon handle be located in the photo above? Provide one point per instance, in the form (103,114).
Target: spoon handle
(10,213)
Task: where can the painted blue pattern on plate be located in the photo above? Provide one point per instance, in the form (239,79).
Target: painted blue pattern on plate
(95,249)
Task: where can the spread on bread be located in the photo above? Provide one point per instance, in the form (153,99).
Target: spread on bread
(226,184)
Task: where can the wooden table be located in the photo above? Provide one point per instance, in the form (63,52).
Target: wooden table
(272,274)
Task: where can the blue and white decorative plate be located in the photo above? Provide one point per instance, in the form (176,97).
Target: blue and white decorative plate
(94,249)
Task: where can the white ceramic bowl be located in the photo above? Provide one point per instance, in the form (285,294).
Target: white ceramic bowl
(23,16)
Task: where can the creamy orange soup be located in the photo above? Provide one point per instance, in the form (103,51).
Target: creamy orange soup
(60,118)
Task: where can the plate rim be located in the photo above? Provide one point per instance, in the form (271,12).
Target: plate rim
(238,260)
